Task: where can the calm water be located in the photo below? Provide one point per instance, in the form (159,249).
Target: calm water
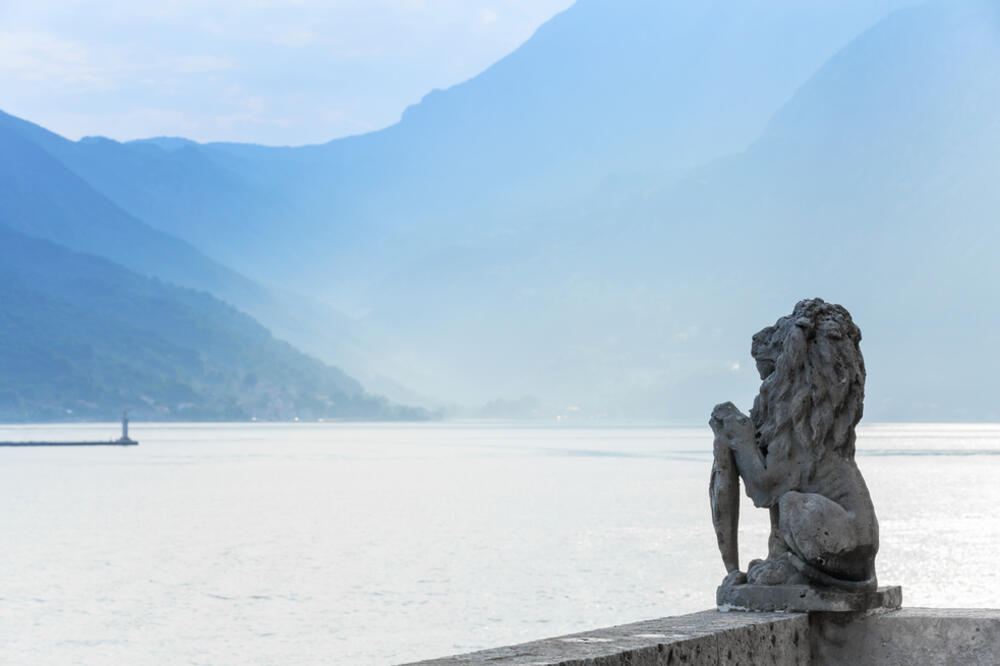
(330,544)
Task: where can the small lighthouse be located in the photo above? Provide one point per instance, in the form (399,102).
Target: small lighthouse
(125,438)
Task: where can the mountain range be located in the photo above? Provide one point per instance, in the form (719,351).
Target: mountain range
(595,225)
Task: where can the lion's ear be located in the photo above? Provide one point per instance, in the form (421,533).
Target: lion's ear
(804,322)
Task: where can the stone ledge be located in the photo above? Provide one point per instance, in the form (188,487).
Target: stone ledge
(709,637)
(911,636)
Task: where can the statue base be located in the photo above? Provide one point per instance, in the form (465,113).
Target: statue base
(804,599)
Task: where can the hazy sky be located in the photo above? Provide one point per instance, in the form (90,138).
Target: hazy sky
(266,71)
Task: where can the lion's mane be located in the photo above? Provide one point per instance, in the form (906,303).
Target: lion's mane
(812,401)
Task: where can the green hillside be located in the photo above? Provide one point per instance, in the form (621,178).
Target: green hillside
(83,338)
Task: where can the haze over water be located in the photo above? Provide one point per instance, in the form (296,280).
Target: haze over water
(380,544)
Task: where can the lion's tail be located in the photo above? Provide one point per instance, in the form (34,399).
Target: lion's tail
(823,578)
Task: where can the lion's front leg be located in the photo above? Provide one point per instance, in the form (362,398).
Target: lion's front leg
(761,478)
(732,430)
(724,498)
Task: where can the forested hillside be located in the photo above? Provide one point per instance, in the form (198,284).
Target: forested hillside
(83,338)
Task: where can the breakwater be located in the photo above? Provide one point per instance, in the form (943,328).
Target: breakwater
(130,442)
(124,440)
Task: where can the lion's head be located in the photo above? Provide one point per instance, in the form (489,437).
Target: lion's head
(813,381)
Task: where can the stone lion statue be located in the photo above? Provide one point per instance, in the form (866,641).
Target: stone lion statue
(795,454)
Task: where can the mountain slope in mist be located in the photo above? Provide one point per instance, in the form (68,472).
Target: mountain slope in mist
(171,185)
(43,196)
(872,187)
(84,338)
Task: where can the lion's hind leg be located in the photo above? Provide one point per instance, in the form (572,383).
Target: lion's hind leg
(826,540)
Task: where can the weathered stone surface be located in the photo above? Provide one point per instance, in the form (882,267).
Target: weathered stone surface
(710,638)
(913,636)
(795,456)
(805,598)
(908,637)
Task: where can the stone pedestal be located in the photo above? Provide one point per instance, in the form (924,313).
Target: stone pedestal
(803,599)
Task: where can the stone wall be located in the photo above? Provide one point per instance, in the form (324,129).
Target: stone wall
(910,636)
(907,636)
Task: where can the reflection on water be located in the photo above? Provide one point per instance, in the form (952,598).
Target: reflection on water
(332,543)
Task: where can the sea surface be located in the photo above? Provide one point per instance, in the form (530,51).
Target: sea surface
(380,544)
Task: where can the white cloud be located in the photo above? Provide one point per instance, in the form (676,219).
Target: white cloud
(688,333)
(296,37)
(197,64)
(488,17)
(43,56)
(309,70)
